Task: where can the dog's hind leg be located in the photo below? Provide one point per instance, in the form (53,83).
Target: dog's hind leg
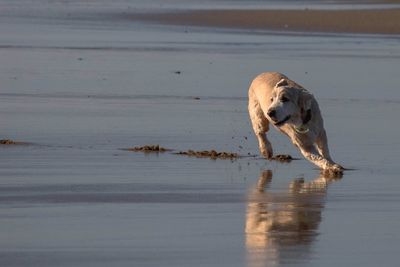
(260,126)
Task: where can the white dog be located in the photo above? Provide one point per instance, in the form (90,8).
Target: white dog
(273,98)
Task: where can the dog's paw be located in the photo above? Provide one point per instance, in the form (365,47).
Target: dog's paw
(334,169)
(331,174)
(337,166)
(266,153)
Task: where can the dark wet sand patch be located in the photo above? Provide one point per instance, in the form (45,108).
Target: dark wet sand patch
(209,154)
(199,154)
(8,142)
(212,154)
(283,158)
(147,149)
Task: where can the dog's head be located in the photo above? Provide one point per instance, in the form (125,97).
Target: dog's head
(289,105)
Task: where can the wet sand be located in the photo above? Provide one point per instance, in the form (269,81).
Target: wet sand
(79,90)
(331,21)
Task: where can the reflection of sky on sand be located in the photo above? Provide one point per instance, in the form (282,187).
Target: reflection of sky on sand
(281,226)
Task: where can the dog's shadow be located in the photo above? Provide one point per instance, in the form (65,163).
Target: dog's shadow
(281,226)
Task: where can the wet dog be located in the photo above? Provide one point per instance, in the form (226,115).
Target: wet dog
(277,100)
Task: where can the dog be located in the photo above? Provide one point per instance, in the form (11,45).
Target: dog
(277,100)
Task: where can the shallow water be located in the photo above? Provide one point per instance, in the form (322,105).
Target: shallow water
(81,90)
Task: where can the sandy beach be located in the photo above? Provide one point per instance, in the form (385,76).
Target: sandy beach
(331,21)
(81,82)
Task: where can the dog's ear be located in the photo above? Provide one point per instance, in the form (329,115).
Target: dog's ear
(304,102)
(282,82)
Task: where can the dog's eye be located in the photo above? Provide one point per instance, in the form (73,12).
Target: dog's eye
(284,99)
(272,99)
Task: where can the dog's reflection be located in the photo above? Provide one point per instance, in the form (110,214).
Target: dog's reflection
(281,226)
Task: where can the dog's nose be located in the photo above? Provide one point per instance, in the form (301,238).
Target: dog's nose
(272,114)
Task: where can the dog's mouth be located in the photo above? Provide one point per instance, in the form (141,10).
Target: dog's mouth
(280,123)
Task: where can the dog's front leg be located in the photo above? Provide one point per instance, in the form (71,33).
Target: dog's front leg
(260,126)
(264,145)
(322,146)
(311,153)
